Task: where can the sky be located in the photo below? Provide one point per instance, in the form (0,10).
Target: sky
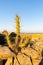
(29,11)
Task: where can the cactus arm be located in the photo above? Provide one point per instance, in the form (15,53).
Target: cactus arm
(8,42)
(24,44)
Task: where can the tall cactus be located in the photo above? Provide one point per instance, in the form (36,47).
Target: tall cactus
(17,25)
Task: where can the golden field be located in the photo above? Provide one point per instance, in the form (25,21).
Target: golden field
(33,36)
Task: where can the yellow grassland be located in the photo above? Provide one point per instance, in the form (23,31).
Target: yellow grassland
(33,36)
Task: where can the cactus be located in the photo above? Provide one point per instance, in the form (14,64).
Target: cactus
(17,44)
(17,25)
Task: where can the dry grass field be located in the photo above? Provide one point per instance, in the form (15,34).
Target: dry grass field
(34,36)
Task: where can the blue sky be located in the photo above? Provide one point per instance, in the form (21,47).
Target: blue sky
(29,11)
